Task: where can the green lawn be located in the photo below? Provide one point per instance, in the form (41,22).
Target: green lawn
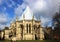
(32,41)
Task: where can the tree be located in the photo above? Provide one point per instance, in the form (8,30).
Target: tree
(56,20)
(56,24)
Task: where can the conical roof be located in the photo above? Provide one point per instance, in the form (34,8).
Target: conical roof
(27,14)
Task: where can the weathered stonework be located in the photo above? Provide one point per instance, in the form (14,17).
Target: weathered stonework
(25,29)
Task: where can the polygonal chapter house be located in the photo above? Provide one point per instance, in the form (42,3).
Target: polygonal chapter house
(27,27)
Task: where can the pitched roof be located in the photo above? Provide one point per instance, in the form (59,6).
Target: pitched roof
(27,14)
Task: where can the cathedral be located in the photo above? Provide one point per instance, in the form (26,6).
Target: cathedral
(26,27)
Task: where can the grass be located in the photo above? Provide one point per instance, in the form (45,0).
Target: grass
(32,41)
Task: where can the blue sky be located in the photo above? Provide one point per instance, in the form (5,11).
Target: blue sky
(44,9)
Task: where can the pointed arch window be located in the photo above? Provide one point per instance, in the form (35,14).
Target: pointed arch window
(29,28)
(21,26)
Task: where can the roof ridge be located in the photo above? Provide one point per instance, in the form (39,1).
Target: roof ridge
(28,14)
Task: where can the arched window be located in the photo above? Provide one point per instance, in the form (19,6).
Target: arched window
(34,26)
(21,26)
(29,28)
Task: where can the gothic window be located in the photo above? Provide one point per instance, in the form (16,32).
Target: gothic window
(21,26)
(29,28)
(14,32)
(34,27)
(10,34)
(38,26)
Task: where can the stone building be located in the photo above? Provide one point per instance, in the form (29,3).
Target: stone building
(48,32)
(1,34)
(27,27)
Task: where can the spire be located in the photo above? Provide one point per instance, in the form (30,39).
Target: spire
(33,17)
(23,16)
(39,18)
(16,18)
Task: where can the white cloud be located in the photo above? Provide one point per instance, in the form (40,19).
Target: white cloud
(45,22)
(3,26)
(20,9)
(4,19)
(40,5)
(1,2)
(45,8)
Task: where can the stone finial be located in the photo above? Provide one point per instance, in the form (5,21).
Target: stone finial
(23,16)
(33,17)
(16,18)
(39,19)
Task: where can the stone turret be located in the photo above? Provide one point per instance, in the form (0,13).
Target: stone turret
(41,33)
(2,34)
(6,32)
